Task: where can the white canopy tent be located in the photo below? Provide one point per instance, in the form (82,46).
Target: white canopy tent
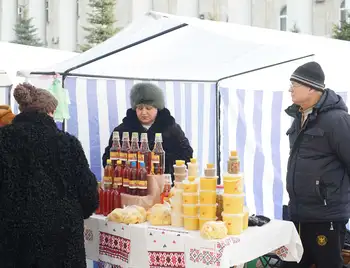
(163,47)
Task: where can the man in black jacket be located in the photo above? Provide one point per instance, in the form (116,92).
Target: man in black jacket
(318,180)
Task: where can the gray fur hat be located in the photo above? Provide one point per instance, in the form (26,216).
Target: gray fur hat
(147,93)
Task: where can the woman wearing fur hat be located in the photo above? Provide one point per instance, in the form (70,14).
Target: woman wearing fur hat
(6,115)
(148,114)
(46,188)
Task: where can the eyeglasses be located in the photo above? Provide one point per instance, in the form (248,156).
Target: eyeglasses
(294,85)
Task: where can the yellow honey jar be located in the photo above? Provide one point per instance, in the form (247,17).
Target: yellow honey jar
(208,183)
(245,218)
(234,223)
(191,223)
(207,211)
(190,186)
(207,197)
(190,198)
(204,220)
(233,184)
(190,210)
(233,203)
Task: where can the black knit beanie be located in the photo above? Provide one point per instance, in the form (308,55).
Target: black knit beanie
(311,75)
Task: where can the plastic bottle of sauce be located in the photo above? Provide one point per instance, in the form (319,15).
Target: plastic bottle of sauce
(107,200)
(118,176)
(158,154)
(142,186)
(133,179)
(108,173)
(126,171)
(123,155)
(115,196)
(145,153)
(134,148)
(164,197)
(100,197)
(115,149)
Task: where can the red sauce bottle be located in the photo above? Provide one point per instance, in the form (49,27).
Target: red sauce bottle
(108,173)
(133,179)
(123,155)
(158,155)
(126,172)
(114,151)
(145,153)
(134,148)
(115,197)
(142,187)
(100,197)
(107,200)
(164,197)
(118,176)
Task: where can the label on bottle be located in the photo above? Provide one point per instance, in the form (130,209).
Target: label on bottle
(123,156)
(126,182)
(114,155)
(140,157)
(155,158)
(132,157)
(142,185)
(233,166)
(107,179)
(133,184)
(118,180)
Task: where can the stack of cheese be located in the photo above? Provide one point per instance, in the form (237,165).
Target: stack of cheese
(235,215)
(176,194)
(207,196)
(190,204)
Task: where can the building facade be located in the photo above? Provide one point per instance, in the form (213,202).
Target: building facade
(60,22)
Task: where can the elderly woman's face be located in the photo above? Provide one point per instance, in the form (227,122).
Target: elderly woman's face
(146,114)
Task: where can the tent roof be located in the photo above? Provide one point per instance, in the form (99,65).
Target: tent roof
(191,49)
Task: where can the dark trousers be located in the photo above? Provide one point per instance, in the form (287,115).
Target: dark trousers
(323,244)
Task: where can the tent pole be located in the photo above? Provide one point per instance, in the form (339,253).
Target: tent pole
(126,47)
(218,105)
(218,129)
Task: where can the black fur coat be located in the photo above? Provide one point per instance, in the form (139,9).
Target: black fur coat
(175,143)
(46,191)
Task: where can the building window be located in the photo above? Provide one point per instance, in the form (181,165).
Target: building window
(283,19)
(344,13)
(47,13)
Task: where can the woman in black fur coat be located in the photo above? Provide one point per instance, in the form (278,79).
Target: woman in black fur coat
(46,188)
(148,114)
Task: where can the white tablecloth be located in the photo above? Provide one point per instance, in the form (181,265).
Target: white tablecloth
(145,246)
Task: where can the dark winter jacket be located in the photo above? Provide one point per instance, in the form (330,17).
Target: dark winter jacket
(318,180)
(175,143)
(46,191)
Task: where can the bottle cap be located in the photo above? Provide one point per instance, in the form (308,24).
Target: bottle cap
(142,164)
(116,135)
(158,137)
(144,137)
(135,136)
(133,164)
(233,153)
(193,160)
(126,136)
(109,161)
(179,162)
(98,184)
(191,178)
(210,165)
(119,162)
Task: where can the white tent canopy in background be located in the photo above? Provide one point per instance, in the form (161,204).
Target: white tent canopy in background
(15,57)
(195,51)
